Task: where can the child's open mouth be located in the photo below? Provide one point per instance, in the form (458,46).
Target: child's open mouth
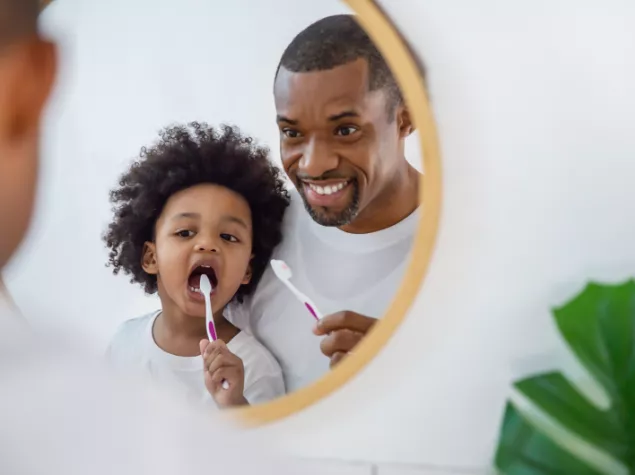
(194,281)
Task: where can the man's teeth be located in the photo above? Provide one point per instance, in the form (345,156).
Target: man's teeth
(329,189)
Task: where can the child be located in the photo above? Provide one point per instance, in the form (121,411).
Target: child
(198,202)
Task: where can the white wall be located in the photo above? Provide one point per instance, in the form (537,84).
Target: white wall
(535,108)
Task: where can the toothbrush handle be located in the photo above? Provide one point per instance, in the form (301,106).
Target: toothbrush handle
(311,307)
(308,303)
(211,330)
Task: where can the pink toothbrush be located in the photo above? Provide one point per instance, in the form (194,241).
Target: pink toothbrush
(206,290)
(283,272)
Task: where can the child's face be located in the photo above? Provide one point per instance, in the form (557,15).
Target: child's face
(202,229)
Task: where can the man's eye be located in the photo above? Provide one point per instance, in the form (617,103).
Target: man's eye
(291,133)
(229,237)
(346,131)
(185,233)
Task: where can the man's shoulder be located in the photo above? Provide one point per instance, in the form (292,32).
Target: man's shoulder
(253,352)
(295,219)
(296,213)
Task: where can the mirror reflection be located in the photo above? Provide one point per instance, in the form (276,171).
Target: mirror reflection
(254,180)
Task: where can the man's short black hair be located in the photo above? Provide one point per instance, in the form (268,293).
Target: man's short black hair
(18,19)
(337,40)
(182,158)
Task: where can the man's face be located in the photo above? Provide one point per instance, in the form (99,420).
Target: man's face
(339,145)
(27,71)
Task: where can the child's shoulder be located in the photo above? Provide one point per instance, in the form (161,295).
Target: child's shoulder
(129,334)
(135,325)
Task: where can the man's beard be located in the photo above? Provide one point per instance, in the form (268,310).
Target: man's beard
(342,218)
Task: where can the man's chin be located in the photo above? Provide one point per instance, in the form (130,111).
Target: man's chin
(325,217)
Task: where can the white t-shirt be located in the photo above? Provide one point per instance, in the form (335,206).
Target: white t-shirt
(63,412)
(338,271)
(133,349)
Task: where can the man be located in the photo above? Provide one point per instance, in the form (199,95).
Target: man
(60,412)
(343,124)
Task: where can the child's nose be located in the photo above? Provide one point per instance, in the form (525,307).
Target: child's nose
(206,249)
(206,244)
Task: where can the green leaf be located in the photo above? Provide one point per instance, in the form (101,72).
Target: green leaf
(554,395)
(599,327)
(524,450)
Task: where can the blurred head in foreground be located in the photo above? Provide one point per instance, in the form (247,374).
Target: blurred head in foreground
(27,72)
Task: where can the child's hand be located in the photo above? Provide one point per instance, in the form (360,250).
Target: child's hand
(220,364)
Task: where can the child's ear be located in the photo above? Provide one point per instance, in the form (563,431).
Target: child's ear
(149,259)
(248,276)
(248,273)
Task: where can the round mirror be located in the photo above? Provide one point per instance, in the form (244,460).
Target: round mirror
(262,177)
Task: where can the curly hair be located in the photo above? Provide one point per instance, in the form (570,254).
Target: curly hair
(182,158)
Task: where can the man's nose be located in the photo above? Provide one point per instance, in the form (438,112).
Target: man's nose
(317,159)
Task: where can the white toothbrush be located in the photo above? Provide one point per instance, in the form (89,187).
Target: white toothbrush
(283,272)
(206,290)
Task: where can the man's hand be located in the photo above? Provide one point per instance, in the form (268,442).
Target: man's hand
(223,368)
(343,331)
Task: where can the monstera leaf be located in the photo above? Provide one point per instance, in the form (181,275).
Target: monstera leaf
(599,327)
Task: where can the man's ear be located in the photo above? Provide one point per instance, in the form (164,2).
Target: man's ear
(404,121)
(149,259)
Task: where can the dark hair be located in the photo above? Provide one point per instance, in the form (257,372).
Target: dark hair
(183,158)
(18,19)
(337,40)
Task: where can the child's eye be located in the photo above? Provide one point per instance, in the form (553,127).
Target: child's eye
(346,131)
(229,237)
(185,233)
